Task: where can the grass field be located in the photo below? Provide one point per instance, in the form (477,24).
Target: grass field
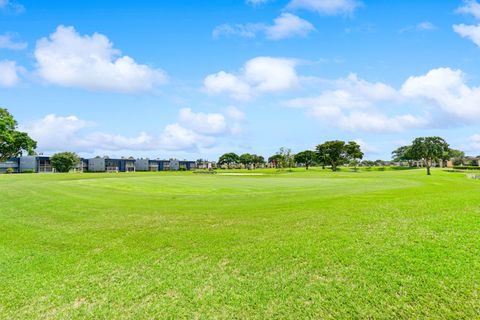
(392,244)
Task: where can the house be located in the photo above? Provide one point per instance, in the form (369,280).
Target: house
(111,165)
(13,164)
(40,163)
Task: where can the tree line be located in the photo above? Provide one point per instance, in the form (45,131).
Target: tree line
(333,153)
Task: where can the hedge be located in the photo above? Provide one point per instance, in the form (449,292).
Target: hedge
(466,167)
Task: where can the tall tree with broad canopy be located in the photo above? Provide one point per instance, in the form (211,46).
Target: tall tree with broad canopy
(353,152)
(336,152)
(456,156)
(246,159)
(12,142)
(64,161)
(276,159)
(403,153)
(257,160)
(429,149)
(229,159)
(306,157)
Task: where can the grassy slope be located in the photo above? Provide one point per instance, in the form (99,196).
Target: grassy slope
(294,245)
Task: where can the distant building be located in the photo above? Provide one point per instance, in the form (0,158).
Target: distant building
(41,164)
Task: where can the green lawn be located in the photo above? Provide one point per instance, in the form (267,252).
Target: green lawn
(391,244)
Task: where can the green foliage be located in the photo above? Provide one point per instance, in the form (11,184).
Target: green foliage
(64,161)
(466,167)
(429,149)
(246,159)
(229,159)
(403,153)
(9,171)
(12,142)
(285,157)
(307,158)
(336,153)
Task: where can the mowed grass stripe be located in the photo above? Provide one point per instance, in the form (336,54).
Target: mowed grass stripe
(292,245)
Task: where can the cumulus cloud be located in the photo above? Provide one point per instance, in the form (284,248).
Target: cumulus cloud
(358,105)
(286,25)
(446,89)
(192,132)
(259,75)
(9,73)
(349,93)
(69,59)
(8,41)
(203,123)
(327,7)
(471,32)
(470,7)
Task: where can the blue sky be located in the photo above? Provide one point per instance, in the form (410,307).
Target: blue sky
(192,79)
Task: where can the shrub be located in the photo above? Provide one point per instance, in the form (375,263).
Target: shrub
(9,171)
(28,171)
(466,167)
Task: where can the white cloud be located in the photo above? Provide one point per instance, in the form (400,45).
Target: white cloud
(471,32)
(358,105)
(69,59)
(349,93)
(248,30)
(470,7)
(175,138)
(11,6)
(9,73)
(259,75)
(366,147)
(235,114)
(192,132)
(203,123)
(55,132)
(256,2)
(474,143)
(447,89)
(7,41)
(224,82)
(328,7)
(286,25)
(422,26)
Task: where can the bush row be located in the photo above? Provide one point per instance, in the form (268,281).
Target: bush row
(466,167)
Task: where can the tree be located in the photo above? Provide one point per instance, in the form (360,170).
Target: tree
(246,159)
(403,153)
(229,159)
(12,142)
(257,160)
(64,161)
(306,157)
(276,159)
(285,157)
(354,153)
(338,152)
(456,156)
(429,149)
